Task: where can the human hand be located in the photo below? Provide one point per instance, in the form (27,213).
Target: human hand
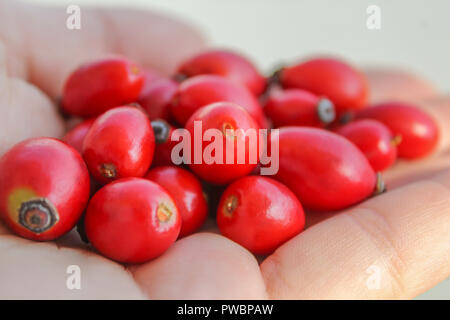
(404,232)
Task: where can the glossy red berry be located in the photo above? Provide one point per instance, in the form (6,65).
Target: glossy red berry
(44,188)
(75,136)
(119,144)
(156,97)
(374,139)
(345,86)
(417,132)
(132,220)
(324,170)
(96,87)
(227,64)
(297,107)
(260,214)
(233,128)
(202,90)
(187,192)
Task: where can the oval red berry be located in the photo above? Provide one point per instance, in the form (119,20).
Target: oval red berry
(260,214)
(132,220)
(44,188)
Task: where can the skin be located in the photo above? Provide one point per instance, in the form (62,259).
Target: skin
(404,231)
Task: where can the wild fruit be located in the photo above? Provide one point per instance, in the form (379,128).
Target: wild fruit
(199,91)
(132,220)
(417,131)
(323,169)
(297,107)
(44,188)
(227,64)
(224,142)
(119,144)
(187,192)
(345,86)
(260,214)
(101,85)
(374,139)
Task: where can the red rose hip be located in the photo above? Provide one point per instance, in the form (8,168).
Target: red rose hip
(226,64)
(187,192)
(75,136)
(260,214)
(231,151)
(418,132)
(296,107)
(44,188)
(199,91)
(323,169)
(119,144)
(96,87)
(132,220)
(345,86)
(374,139)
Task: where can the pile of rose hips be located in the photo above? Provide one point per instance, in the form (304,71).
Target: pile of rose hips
(113,171)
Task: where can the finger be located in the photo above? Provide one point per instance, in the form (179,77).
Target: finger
(202,266)
(25,111)
(34,270)
(42,49)
(399,85)
(400,238)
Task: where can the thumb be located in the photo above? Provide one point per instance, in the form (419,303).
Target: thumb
(25,111)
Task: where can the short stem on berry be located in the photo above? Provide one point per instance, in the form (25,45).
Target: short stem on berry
(108,170)
(396,140)
(231,203)
(380,186)
(228,130)
(163,213)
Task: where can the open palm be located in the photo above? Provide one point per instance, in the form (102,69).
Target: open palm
(402,235)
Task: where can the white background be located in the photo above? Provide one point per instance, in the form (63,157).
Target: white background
(415,35)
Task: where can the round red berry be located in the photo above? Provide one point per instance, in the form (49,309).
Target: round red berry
(199,91)
(44,188)
(96,87)
(416,131)
(374,139)
(260,214)
(119,144)
(132,220)
(324,170)
(228,64)
(297,107)
(232,150)
(187,192)
(345,86)
(75,136)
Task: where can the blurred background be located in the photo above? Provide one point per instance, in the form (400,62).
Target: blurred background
(413,35)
